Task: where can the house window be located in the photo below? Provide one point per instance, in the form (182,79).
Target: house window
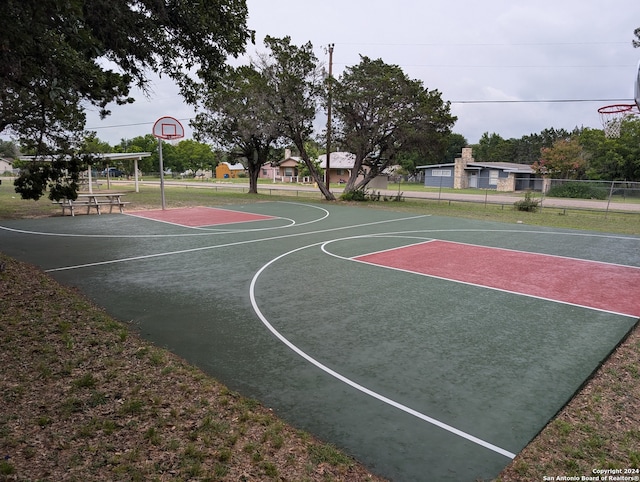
(289,172)
(264,172)
(341,172)
(494,175)
(441,173)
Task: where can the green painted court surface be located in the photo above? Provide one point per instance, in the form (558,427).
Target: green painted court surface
(419,376)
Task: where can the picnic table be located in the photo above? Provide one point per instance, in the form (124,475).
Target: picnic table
(93,201)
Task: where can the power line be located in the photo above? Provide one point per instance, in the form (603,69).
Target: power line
(131,125)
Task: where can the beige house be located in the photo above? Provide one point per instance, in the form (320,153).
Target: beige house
(6,165)
(341,165)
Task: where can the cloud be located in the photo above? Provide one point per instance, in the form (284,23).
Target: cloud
(492,51)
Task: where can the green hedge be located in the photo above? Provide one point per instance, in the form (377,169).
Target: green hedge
(579,190)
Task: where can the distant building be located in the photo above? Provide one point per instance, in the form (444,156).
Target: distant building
(225,170)
(341,165)
(465,173)
(285,170)
(6,165)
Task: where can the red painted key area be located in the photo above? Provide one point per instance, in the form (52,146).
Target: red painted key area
(592,284)
(199,216)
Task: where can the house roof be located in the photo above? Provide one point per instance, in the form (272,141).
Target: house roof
(338,160)
(106,156)
(291,159)
(234,167)
(433,166)
(503,166)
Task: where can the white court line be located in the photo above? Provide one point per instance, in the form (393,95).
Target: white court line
(236,243)
(268,217)
(351,383)
(468,283)
(210,232)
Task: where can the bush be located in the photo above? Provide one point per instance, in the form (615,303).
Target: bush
(363,195)
(579,190)
(527,204)
(355,195)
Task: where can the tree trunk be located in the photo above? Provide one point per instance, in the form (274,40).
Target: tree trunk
(351,183)
(253,179)
(299,143)
(328,195)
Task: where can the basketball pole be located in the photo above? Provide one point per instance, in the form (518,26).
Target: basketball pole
(327,178)
(164,206)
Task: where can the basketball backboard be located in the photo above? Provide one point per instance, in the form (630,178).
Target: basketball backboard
(168,128)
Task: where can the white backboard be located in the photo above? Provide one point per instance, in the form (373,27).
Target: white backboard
(168,128)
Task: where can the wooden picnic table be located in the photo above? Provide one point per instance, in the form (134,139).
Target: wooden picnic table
(93,201)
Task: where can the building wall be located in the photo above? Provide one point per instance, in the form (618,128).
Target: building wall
(223,169)
(439,181)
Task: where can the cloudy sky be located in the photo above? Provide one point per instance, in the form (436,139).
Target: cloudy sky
(497,61)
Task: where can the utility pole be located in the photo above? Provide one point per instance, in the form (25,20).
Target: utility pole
(326,173)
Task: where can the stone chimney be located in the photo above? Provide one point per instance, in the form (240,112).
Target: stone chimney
(287,154)
(460,180)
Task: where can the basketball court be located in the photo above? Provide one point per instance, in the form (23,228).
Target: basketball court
(426,347)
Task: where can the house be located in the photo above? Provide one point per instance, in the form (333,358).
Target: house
(466,173)
(285,170)
(341,165)
(225,170)
(6,165)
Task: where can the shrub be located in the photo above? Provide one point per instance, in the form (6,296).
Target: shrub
(579,190)
(363,195)
(527,204)
(355,195)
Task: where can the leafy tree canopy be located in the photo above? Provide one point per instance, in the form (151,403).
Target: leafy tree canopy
(382,114)
(238,117)
(59,57)
(296,83)
(565,159)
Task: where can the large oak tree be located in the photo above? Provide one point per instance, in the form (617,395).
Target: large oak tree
(237,117)
(381,114)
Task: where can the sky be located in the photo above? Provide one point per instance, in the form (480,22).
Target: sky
(498,62)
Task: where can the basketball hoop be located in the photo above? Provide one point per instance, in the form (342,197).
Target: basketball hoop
(612,117)
(168,128)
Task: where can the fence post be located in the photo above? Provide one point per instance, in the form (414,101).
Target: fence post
(606,213)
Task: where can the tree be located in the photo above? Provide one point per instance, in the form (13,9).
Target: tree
(613,159)
(8,149)
(565,159)
(455,143)
(58,58)
(381,114)
(493,148)
(296,87)
(195,156)
(146,143)
(238,117)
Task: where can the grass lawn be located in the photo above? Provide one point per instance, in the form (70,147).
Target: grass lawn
(86,399)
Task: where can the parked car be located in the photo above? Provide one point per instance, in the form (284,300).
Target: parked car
(112,172)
